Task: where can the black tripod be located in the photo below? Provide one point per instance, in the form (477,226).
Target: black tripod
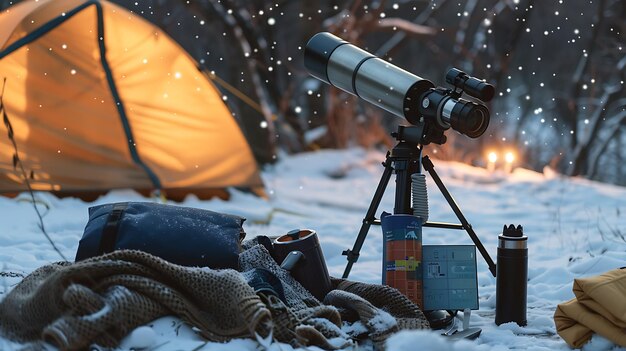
(406,159)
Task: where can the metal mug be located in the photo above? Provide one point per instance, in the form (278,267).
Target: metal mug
(300,252)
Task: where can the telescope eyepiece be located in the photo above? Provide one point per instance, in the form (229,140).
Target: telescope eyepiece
(471,85)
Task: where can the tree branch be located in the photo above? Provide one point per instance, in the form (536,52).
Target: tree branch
(407,27)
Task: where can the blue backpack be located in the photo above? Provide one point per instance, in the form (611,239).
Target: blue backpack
(182,235)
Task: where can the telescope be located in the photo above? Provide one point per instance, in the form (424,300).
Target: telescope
(356,71)
(430,110)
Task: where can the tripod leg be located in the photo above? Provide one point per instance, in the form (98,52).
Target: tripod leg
(430,167)
(404,169)
(370,217)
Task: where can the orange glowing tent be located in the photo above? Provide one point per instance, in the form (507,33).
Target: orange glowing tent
(101,99)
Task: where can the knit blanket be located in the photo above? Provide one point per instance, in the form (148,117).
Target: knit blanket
(100,300)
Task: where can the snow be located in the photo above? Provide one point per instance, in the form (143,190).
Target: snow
(573,225)
(407,340)
(140,338)
(381,322)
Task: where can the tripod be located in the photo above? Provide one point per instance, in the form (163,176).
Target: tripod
(406,159)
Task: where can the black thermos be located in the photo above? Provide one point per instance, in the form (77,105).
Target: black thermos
(511,276)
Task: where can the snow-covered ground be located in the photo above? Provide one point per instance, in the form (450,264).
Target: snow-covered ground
(576,228)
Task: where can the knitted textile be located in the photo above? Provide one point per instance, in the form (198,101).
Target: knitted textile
(296,295)
(407,314)
(100,300)
(380,324)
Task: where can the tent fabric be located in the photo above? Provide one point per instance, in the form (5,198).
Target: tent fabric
(101,99)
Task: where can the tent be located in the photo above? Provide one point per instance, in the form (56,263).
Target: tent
(99,98)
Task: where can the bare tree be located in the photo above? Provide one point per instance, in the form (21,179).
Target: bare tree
(559,76)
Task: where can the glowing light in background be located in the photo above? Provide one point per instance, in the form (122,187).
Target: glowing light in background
(492,158)
(506,162)
(509,157)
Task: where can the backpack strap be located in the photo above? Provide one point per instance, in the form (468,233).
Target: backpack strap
(109,233)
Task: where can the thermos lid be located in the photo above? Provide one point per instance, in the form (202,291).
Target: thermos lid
(512,231)
(512,237)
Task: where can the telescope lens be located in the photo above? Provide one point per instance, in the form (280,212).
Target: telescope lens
(317,54)
(469,118)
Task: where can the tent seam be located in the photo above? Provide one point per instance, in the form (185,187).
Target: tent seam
(118,101)
(44,29)
(55,22)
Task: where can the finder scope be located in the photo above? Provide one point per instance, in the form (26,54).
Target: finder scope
(356,71)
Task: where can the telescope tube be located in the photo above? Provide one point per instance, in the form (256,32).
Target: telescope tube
(356,71)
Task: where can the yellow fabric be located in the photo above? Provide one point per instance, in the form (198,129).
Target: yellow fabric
(599,306)
(604,294)
(67,125)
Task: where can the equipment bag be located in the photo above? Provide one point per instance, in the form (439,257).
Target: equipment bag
(182,235)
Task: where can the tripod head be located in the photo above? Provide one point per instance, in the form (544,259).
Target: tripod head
(420,134)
